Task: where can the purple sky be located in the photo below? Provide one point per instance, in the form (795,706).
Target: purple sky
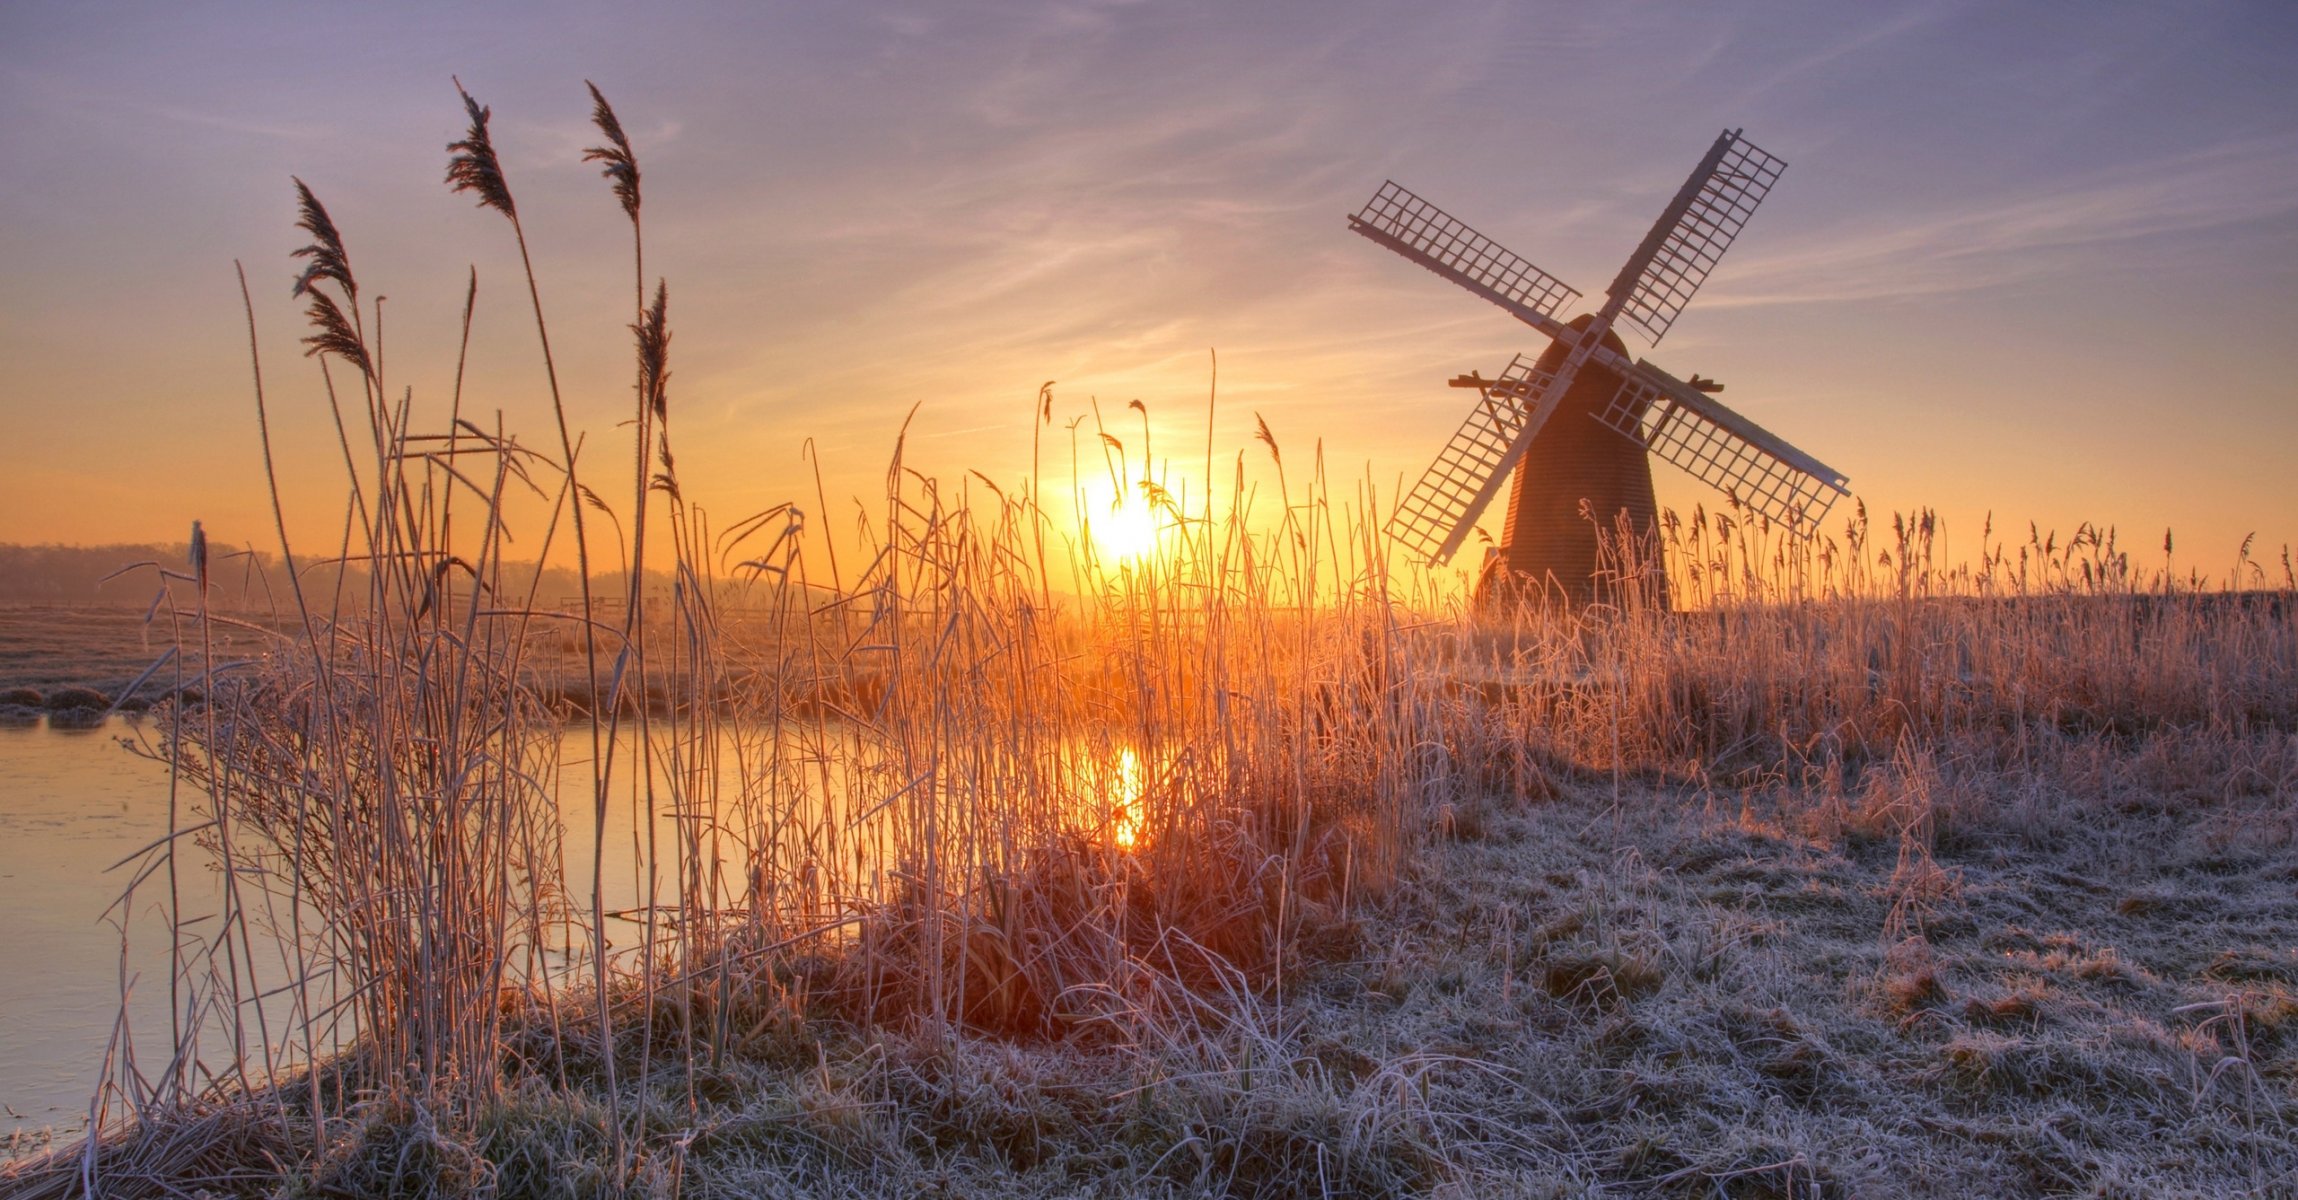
(2034,259)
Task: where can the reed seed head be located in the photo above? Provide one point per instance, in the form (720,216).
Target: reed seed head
(332,332)
(621,168)
(654,352)
(328,259)
(198,557)
(474,167)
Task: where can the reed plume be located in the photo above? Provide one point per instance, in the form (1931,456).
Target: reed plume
(473,166)
(334,332)
(653,333)
(329,261)
(621,166)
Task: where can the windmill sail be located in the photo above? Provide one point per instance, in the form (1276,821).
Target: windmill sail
(1435,239)
(1692,430)
(1438,512)
(1575,467)
(1693,233)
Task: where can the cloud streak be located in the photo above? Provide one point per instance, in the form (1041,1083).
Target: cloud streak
(2015,238)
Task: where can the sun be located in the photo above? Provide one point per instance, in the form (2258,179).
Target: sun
(1125,532)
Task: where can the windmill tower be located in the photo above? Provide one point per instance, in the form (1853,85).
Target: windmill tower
(1580,423)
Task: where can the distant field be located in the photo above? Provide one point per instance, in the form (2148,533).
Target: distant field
(100,648)
(47,648)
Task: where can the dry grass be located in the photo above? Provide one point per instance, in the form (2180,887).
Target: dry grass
(1732,993)
(1255,867)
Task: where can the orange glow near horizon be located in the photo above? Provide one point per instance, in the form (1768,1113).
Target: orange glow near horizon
(1946,317)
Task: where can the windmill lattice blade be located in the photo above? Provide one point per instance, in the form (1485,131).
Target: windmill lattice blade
(1438,512)
(1694,231)
(1442,243)
(1723,449)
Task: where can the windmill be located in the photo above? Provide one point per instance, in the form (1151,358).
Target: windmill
(1574,473)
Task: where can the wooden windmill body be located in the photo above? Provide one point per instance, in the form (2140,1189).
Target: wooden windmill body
(1578,425)
(1581,520)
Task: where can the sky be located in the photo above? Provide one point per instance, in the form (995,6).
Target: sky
(2038,261)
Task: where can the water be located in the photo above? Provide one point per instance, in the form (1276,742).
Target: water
(72,803)
(75,803)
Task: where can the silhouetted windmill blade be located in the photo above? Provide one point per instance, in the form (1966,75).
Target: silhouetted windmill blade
(1693,232)
(1438,512)
(1435,239)
(1690,429)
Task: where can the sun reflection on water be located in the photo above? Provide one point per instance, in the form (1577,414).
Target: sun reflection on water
(1127,794)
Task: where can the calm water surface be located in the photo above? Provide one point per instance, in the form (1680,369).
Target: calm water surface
(72,803)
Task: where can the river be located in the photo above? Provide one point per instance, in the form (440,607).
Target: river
(75,804)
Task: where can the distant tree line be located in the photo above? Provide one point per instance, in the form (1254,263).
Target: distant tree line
(76,576)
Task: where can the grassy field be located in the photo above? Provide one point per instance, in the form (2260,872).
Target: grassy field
(1254,865)
(104,649)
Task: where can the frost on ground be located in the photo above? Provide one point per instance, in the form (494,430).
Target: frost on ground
(1933,979)
(1947,982)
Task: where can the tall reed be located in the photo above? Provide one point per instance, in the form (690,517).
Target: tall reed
(1000,787)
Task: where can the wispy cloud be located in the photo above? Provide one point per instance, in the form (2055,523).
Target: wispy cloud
(2013,238)
(1873,38)
(286,130)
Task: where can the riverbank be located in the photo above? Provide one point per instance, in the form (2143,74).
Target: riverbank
(1950,980)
